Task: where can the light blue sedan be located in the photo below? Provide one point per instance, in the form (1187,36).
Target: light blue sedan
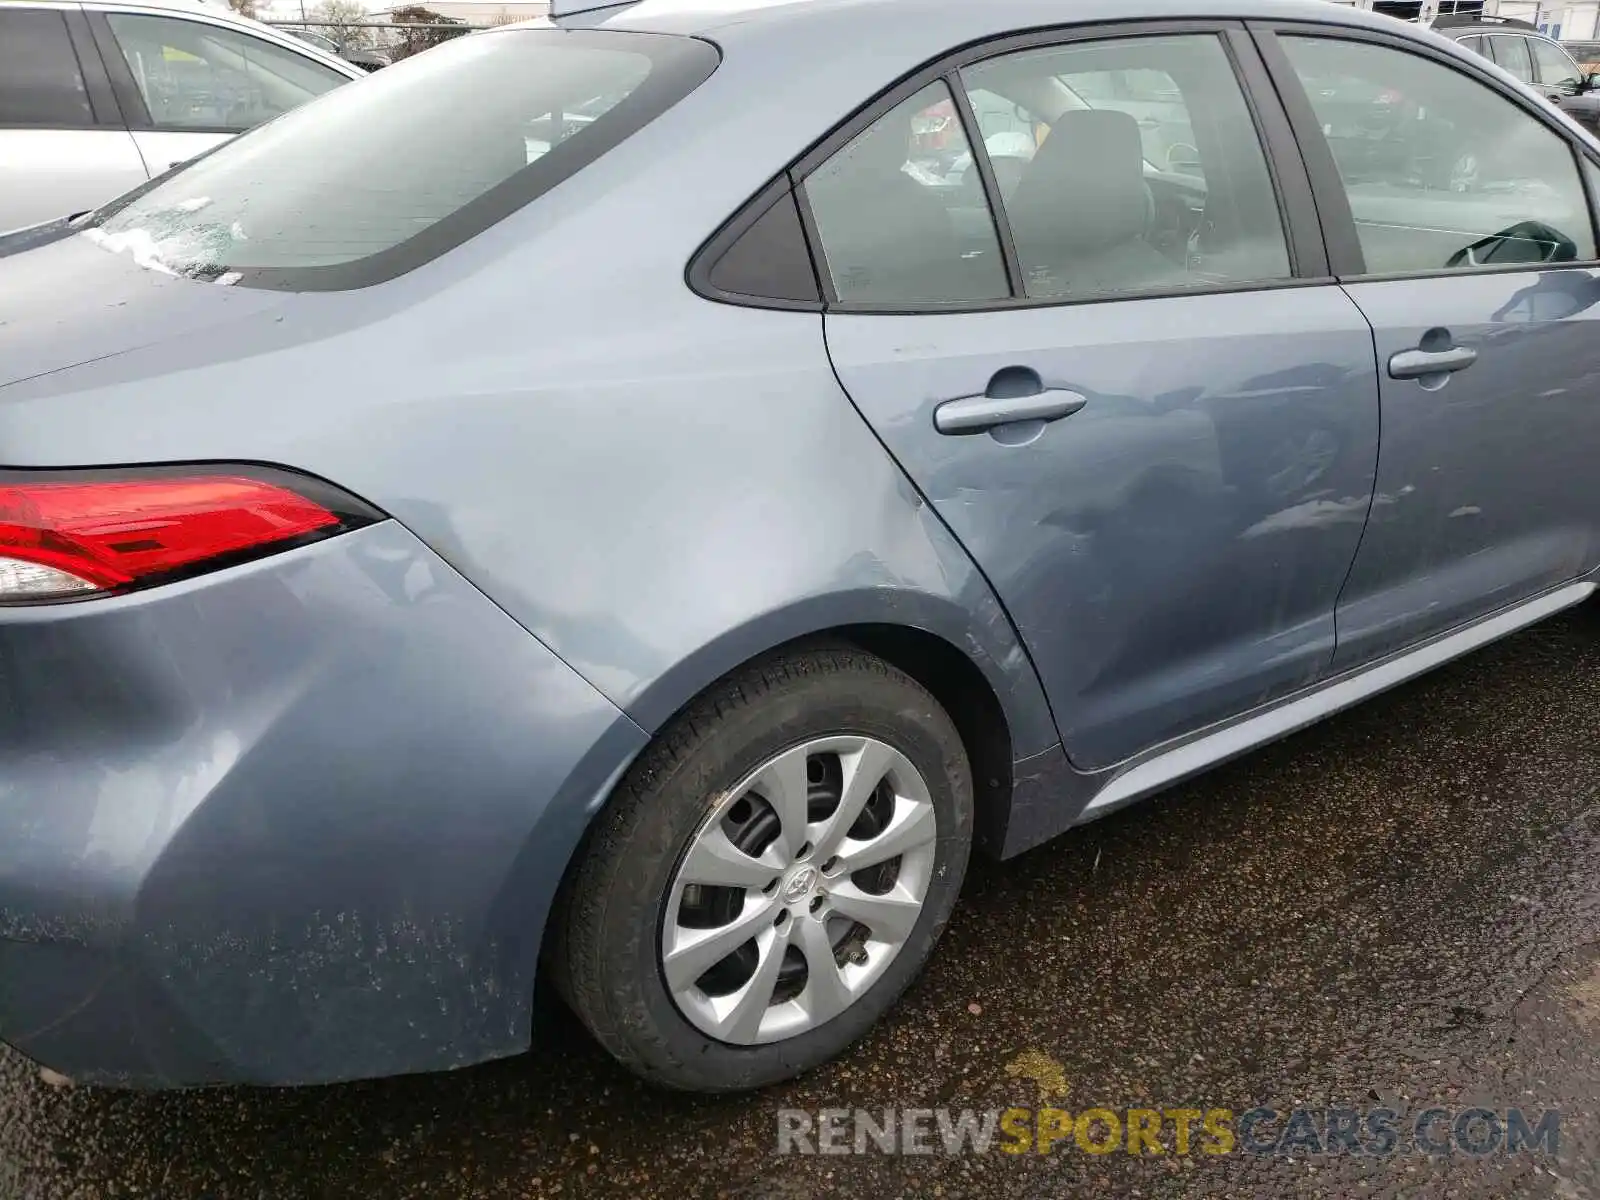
(604,499)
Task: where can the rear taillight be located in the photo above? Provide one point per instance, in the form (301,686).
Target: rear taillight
(72,535)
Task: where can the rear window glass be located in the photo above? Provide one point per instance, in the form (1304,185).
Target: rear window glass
(375,178)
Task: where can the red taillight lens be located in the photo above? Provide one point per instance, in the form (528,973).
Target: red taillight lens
(79,535)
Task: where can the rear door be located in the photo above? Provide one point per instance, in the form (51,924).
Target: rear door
(1461,224)
(1131,392)
(188,84)
(63,148)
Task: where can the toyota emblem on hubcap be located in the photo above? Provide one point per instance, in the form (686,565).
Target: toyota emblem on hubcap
(799,884)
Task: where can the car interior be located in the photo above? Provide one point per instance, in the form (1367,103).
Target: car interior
(1436,173)
(1090,214)
(1092,167)
(1092,217)
(193,75)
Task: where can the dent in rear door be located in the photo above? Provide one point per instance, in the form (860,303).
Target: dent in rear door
(1171,553)
(1171,535)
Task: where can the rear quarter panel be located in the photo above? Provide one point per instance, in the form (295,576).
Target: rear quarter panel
(657,486)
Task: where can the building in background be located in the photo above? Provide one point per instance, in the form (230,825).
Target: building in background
(479,12)
(1421,10)
(1569,20)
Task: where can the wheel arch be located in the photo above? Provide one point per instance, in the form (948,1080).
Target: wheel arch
(965,653)
(970,661)
(922,634)
(962,690)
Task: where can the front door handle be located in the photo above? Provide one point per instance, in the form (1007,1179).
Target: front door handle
(1015,394)
(1419,364)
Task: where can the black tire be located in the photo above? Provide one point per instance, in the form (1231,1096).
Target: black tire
(608,946)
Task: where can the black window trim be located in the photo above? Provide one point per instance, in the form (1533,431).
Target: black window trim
(134,112)
(972,130)
(950,78)
(699,273)
(103,112)
(126,89)
(1346,258)
(668,83)
(1291,181)
(102,99)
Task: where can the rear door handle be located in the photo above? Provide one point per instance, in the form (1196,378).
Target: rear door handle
(1418,364)
(1015,394)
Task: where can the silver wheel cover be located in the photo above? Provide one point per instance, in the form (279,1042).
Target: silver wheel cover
(756,948)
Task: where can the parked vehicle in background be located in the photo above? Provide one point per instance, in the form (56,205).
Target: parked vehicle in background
(1540,62)
(367,60)
(99,96)
(596,502)
(1586,54)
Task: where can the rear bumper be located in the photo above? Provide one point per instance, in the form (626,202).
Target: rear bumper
(296,822)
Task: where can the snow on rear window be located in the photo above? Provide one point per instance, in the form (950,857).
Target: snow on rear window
(415,158)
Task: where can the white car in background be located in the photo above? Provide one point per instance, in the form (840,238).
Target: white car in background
(97,97)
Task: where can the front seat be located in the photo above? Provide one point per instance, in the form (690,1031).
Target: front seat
(1080,215)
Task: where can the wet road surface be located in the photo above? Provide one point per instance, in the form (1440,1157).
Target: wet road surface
(1400,908)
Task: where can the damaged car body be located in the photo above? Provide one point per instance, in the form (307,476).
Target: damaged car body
(567,509)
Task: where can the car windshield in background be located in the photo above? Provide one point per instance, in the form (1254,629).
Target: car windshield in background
(371,180)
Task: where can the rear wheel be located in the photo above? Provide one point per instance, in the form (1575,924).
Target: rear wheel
(771,875)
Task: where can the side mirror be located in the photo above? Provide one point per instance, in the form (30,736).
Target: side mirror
(1524,242)
(1591,82)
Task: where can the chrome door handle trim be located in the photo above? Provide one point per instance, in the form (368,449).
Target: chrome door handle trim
(975,414)
(1415,364)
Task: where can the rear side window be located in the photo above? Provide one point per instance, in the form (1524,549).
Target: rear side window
(1512,54)
(901,215)
(1145,175)
(1554,67)
(373,179)
(192,75)
(40,81)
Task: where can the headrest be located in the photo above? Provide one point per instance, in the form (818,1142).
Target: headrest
(1085,188)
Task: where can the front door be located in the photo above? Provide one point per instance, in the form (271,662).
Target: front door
(1157,446)
(1474,258)
(63,149)
(191,83)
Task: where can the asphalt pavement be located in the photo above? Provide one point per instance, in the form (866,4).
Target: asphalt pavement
(1397,910)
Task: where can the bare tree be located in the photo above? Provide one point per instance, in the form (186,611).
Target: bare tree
(344,19)
(414,41)
(245,8)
